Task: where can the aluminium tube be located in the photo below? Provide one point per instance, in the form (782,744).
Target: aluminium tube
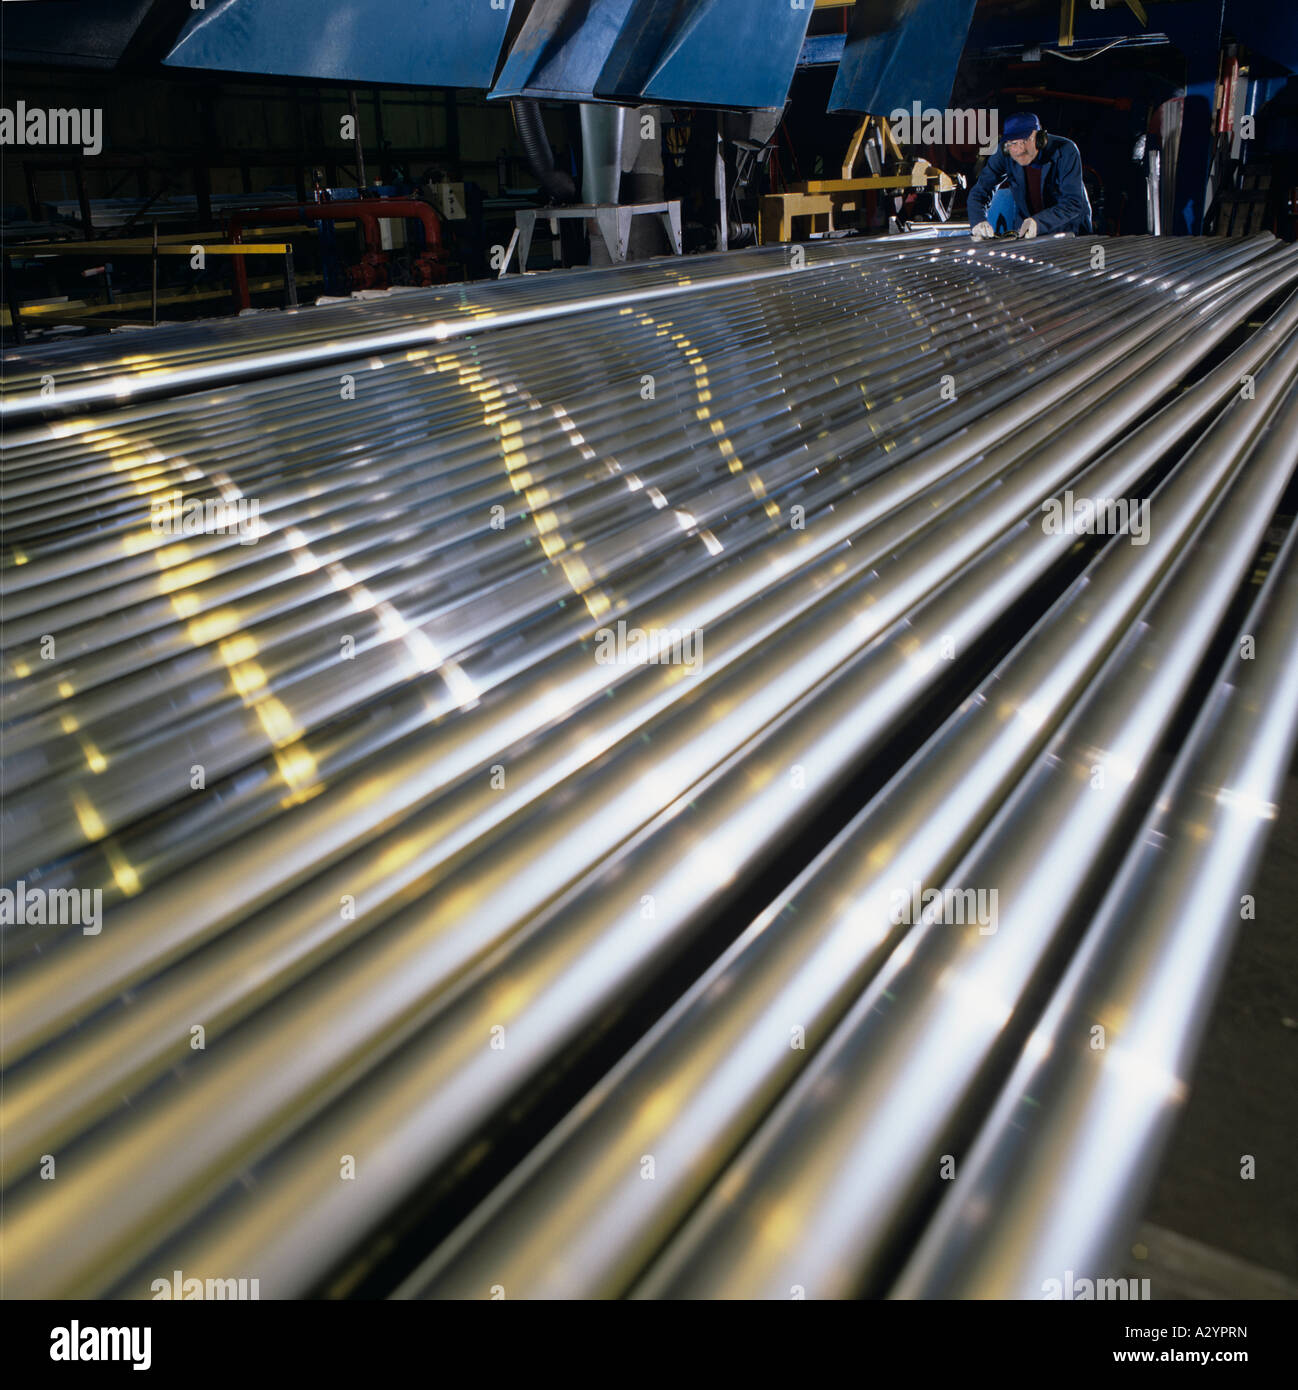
(577,1219)
(1056,1178)
(423,1102)
(234,882)
(218,1113)
(101,1058)
(918,1050)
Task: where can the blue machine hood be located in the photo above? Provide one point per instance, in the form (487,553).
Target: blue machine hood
(730,53)
(437,43)
(899,52)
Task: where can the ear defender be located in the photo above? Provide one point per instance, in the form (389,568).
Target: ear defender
(1043,138)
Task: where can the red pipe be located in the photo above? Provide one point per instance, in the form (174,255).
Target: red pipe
(367,212)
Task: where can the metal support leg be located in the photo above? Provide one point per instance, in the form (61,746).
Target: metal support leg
(290,279)
(525,223)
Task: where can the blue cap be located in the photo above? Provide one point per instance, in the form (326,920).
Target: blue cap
(1020,125)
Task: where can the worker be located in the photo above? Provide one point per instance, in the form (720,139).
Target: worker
(1044,173)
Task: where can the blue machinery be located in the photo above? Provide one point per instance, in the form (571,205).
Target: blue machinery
(628,51)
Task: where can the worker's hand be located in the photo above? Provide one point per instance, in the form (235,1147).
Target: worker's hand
(984,231)
(1029,227)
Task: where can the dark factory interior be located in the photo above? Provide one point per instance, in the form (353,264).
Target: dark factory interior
(649,651)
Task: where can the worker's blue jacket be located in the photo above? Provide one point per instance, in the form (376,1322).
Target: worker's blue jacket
(1066,206)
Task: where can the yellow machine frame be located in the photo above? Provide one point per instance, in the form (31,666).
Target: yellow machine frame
(822,199)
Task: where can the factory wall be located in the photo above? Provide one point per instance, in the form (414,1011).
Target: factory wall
(247,136)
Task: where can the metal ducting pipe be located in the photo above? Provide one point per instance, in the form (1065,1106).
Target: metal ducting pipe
(601,151)
(558,184)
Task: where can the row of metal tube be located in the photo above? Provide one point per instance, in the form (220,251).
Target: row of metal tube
(427,876)
(264,704)
(440,755)
(69,377)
